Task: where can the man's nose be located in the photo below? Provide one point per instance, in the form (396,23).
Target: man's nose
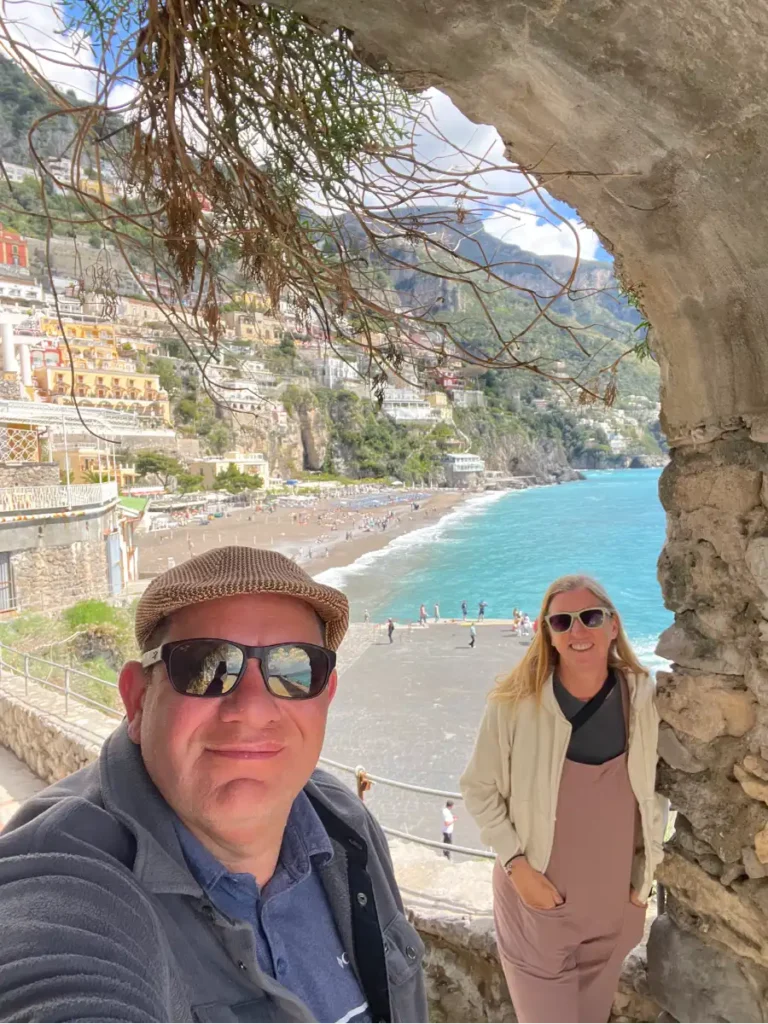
(251,699)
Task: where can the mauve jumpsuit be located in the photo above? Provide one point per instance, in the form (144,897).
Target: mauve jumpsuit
(563,965)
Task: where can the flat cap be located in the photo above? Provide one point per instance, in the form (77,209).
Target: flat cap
(225,572)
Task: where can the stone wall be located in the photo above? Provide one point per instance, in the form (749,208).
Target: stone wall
(53,737)
(55,563)
(714,732)
(29,474)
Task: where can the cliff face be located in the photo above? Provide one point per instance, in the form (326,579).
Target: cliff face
(508,447)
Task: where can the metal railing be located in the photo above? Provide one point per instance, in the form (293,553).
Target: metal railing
(78,686)
(33,499)
(73,683)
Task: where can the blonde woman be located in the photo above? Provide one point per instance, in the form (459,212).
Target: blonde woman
(561,783)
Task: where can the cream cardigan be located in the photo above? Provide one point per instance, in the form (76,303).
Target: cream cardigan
(511,784)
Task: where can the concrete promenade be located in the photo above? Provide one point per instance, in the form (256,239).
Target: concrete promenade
(410,711)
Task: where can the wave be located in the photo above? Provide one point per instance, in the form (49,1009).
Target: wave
(645,649)
(415,538)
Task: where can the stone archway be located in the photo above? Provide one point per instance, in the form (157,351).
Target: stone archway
(668,100)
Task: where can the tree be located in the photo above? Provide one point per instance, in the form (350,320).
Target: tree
(287,345)
(232,480)
(170,381)
(189,482)
(220,439)
(158,464)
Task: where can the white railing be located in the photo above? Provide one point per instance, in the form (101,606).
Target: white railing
(79,686)
(33,499)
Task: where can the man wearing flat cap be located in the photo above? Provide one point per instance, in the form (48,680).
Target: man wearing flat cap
(204,869)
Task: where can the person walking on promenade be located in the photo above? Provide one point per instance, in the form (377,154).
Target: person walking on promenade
(423,615)
(472,635)
(204,867)
(449,820)
(481,610)
(561,783)
(437,612)
(464,610)
(390,628)
(366,616)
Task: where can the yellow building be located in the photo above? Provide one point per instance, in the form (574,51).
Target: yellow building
(209,468)
(73,331)
(254,326)
(102,189)
(123,389)
(85,463)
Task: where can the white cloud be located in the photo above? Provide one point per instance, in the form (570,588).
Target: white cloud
(520,225)
(65,58)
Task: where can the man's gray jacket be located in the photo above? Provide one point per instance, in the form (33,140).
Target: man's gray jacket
(101,919)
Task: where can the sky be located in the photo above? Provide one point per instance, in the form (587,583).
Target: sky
(522,221)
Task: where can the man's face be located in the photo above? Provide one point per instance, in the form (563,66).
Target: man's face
(228,763)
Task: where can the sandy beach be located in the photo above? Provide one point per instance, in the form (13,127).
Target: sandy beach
(322,536)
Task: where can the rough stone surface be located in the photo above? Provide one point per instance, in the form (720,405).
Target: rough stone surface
(49,578)
(705,706)
(29,474)
(752,786)
(697,982)
(727,916)
(675,753)
(761,845)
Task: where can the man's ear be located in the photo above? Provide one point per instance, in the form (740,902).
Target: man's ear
(332,684)
(133,689)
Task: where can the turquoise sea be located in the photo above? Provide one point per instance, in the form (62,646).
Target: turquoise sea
(505,548)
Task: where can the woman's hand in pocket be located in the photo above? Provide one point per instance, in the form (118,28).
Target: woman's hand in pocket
(634,898)
(533,888)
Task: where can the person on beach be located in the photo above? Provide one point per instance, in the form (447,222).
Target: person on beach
(437,613)
(561,783)
(481,610)
(423,615)
(390,629)
(204,868)
(449,820)
(366,616)
(463,610)
(472,635)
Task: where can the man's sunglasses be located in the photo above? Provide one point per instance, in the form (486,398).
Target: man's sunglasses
(592,618)
(213,668)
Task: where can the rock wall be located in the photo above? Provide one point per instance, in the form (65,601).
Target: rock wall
(714,733)
(58,562)
(465,981)
(29,474)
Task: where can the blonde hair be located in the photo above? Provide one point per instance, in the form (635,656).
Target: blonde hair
(527,679)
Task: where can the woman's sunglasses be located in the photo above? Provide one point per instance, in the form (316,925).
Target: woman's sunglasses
(592,618)
(213,668)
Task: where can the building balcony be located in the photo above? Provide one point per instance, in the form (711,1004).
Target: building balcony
(21,501)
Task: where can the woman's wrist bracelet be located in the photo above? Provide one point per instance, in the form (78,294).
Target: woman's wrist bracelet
(512,860)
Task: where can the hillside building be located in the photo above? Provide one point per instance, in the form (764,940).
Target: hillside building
(404,405)
(13,249)
(59,543)
(209,468)
(464,470)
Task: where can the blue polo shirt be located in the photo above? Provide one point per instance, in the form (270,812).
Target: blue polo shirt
(297,942)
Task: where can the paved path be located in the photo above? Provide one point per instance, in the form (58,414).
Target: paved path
(17,784)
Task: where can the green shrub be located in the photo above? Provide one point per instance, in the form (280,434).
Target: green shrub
(92,613)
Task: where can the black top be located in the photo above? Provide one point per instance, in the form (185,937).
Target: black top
(604,736)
